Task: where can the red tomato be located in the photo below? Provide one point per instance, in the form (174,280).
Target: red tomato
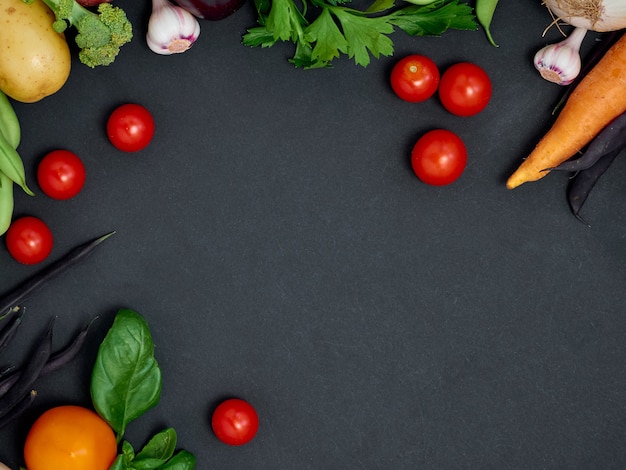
(29,240)
(61,174)
(439,157)
(465,89)
(235,422)
(130,127)
(415,78)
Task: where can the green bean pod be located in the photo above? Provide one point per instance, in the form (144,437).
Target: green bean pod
(6,202)
(484,14)
(11,164)
(9,124)
(10,136)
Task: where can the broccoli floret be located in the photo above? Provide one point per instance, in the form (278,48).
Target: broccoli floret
(99,36)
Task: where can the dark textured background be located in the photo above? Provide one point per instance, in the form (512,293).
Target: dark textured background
(281,249)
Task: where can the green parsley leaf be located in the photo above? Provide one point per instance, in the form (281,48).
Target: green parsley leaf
(380,5)
(285,21)
(365,33)
(303,57)
(259,36)
(332,28)
(431,20)
(329,41)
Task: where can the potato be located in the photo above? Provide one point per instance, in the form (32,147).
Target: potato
(35,60)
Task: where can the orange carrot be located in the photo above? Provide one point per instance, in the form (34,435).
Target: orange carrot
(598,99)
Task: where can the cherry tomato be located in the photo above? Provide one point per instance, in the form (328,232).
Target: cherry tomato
(61,174)
(415,78)
(465,89)
(130,127)
(235,422)
(29,240)
(439,157)
(70,438)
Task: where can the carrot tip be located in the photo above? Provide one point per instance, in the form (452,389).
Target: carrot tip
(513,182)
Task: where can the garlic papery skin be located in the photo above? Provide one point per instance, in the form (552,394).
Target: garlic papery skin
(560,63)
(171,29)
(594,15)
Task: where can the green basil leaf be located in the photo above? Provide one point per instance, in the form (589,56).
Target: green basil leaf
(157,451)
(128,451)
(184,460)
(126,379)
(119,463)
(123,461)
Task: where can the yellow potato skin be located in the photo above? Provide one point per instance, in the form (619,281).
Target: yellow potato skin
(35,60)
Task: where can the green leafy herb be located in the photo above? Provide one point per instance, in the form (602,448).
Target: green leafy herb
(126,379)
(157,454)
(333,28)
(183,460)
(157,451)
(125,459)
(125,383)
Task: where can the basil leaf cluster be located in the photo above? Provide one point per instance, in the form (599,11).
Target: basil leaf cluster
(125,383)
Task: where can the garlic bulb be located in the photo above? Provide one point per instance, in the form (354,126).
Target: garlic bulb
(594,15)
(171,29)
(560,63)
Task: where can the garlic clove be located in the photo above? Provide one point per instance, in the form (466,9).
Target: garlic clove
(560,63)
(171,29)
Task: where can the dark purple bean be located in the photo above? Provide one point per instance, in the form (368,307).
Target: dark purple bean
(55,361)
(18,409)
(14,297)
(612,138)
(8,381)
(584,181)
(69,352)
(10,328)
(6,370)
(35,363)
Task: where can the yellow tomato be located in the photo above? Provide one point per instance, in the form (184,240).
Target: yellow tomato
(70,438)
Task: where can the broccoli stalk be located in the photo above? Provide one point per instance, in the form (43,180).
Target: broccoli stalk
(99,35)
